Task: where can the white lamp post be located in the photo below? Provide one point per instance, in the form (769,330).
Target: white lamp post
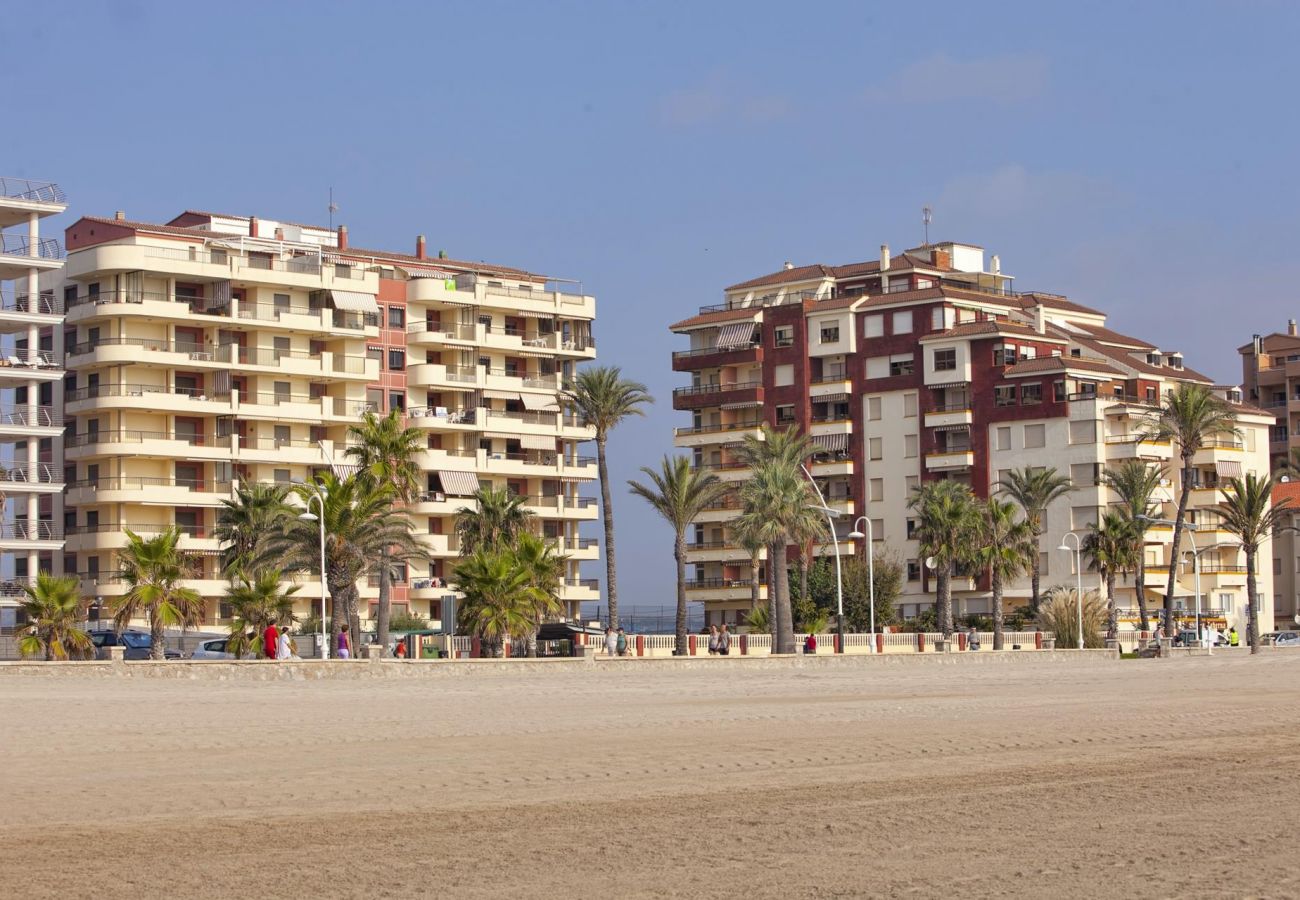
(871,570)
(1078,572)
(831,515)
(318,494)
(1190,528)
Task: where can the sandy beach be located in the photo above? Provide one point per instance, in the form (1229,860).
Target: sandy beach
(1141,778)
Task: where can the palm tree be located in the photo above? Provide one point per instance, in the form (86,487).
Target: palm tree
(1191,415)
(545,570)
(1005,548)
(1034,488)
(359,524)
(679,492)
(386,454)
(776,498)
(153,569)
(500,599)
(945,528)
(604,398)
(1110,544)
(53,609)
(1135,482)
(1248,512)
(246,522)
(497,522)
(257,600)
(753,544)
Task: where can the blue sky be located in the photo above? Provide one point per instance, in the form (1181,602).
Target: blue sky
(1139,157)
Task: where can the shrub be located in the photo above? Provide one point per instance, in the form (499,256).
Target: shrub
(406,621)
(1058,614)
(757,621)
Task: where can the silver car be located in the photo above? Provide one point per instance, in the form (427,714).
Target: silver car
(213,649)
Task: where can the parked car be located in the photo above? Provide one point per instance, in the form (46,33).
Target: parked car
(213,649)
(1284,638)
(137,643)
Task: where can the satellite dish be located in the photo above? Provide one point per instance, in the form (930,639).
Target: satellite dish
(929,563)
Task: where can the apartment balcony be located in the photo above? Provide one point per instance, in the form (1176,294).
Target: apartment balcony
(158,306)
(949,460)
(725,432)
(822,425)
(537,464)
(712,589)
(19,312)
(716,551)
(253,360)
(579,548)
(1134,446)
(199,263)
(580,590)
(450,334)
(149,491)
(832,382)
(22,421)
(538,299)
(150,397)
(214,589)
(439,418)
(1219,450)
(17,367)
(843,505)
(436,503)
(697,396)
(550,506)
(134,442)
(540,423)
(293,451)
(839,464)
(712,357)
(21,478)
(429,589)
(442,546)
(442,377)
(21,197)
(19,254)
(25,537)
(949,414)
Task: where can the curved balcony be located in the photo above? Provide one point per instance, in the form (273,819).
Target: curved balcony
(701,395)
(712,357)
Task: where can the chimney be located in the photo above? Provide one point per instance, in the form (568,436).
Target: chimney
(995,264)
(884,257)
(343,237)
(419,246)
(279,234)
(1290,327)
(252,226)
(442,254)
(788,265)
(120,216)
(1040,319)
(941,259)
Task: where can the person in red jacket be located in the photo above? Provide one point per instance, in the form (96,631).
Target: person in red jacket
(269,639)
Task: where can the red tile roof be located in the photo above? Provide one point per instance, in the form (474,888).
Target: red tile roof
(1289,491)
(152,228)
(1106,336)
(972,329)
(1059,364)
(718,317)
(903,262)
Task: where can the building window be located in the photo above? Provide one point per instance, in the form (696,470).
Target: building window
(913,570)
(830,334)
(900,367)
(913,482)
(397,400)
(396,317)
(1058,391)
(1035,436)
(1002,438)
(785,415)
(875,326)
(911,529)
(877,486)
(783,336)
(903,322)
(783,375)
(875,448)
(1004,395)
(1084,475)
(1031,394)
(909,405)
(873,408)
(937,318)
(1004,355)
(945,360)
(1083,431)
(396,360)
(375,353)
(909,445)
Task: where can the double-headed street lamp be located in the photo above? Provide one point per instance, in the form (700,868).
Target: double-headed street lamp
(871,570)
(831,515)
(1078,571)
(319,494)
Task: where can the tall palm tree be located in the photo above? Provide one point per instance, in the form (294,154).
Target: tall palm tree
(1135,482)
(545,568)
(1110,544)
(679,493)
(257,599)
(753,544)
(386,454)
(1190,415)
(53,608)
(604,398)
(946,526)
(359,523)
(500,599)
(1004,549)
(153,569)
(497,522)
(1035,488)
(776,498)
(246,522)
(1248,512)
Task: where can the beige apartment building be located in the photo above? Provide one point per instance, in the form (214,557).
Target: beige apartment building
(31,376)
(928,365)
(216,350)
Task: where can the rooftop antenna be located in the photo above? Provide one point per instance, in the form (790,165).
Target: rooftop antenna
(926,215)
(333,207)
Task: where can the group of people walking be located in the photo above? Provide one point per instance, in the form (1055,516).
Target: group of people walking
(277,644)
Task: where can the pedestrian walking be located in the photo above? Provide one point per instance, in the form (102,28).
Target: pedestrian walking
(270,639)
(810,643)
(345,648)
(1234,639)
(611,642)
(724,641)
(282,648)
(621,642)
(713,640)
(972,639)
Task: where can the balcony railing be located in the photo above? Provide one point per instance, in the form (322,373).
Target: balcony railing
(22,245)
(530,418)
(43,304)
(698,389)
(836,374)
(951,406)
(92,392)
(141,528)
(131,436)
(37,191)
(30,359)
(724,583)
(31,531)
(20,473)
(310,264)
(442,413)
(709,351)
(712,429)
(1216,443)
(26,417)
(138,482)
(453,331)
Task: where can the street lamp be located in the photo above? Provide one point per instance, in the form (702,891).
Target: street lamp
(1190,528)
(319,494)
(871,570)
(831,515)
(1078,572)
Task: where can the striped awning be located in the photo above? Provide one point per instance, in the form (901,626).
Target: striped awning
(540,402)
(354,301)
(541,354)
(1228,468)
(493,394)
(530,314)
(441,276)
(950,384)
(537,442)
(841,397)
(832,442)
(742,404)
(939,428)
(458,484)
(737,334)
